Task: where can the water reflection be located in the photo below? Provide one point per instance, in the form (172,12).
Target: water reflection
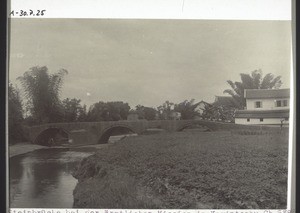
(42,179)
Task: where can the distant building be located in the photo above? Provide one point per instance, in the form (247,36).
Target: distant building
(200,108)
(265,106)
(225,101)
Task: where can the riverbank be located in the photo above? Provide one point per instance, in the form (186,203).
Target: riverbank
(23,148)
(210,170)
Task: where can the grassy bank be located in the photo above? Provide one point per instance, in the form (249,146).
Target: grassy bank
(187,170)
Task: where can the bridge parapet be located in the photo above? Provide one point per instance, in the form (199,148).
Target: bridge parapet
(91,132)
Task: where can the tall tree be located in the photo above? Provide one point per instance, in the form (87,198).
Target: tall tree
(97,112)
(72,109)
(254,80)
(147,113)
(139,109)
(82,114)
(15,115)
(118,110)
(165,110)
(42,91)
(150,113)
(188,109)
(110,111)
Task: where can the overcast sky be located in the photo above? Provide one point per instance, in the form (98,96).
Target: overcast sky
(149,61)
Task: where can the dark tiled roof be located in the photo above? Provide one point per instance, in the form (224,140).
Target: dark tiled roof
(267,93)
(224,101)
(262,113)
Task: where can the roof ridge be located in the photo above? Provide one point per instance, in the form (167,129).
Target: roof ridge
(269,89)
(266,93)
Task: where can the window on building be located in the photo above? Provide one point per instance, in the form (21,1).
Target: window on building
(261,119)
(286,119)
(281,103)
(278,103)
(258,104)
(248,119)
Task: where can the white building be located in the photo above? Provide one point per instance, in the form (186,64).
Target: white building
(265,107)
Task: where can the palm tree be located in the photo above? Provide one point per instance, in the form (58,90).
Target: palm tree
(188,109)
(42,93)
(255,80)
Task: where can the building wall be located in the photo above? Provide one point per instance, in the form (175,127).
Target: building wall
(255,121)
(266,104)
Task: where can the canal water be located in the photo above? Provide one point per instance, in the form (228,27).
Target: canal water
(43,178)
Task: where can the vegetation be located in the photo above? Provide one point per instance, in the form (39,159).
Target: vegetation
(73,111)
(42,93)
(147,113)
(216,112)
(238,169)
(43,104)
(188,109)
(187,170)
(165,110)
(255,80)
(110,111)
(15,115)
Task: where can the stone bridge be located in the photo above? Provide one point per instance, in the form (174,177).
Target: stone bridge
(84,133)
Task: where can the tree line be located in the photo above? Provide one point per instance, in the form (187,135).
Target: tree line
(42,102)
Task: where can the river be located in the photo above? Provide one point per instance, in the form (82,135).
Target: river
(43,178)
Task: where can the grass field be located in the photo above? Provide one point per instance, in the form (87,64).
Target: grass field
(210,170)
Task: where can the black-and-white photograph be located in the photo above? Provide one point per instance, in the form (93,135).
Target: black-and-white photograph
(149,113)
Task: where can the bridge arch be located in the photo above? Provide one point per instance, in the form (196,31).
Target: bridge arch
(113,131)
(194,124)
(52,136)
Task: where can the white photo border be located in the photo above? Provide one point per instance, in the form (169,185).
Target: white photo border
(280,10)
